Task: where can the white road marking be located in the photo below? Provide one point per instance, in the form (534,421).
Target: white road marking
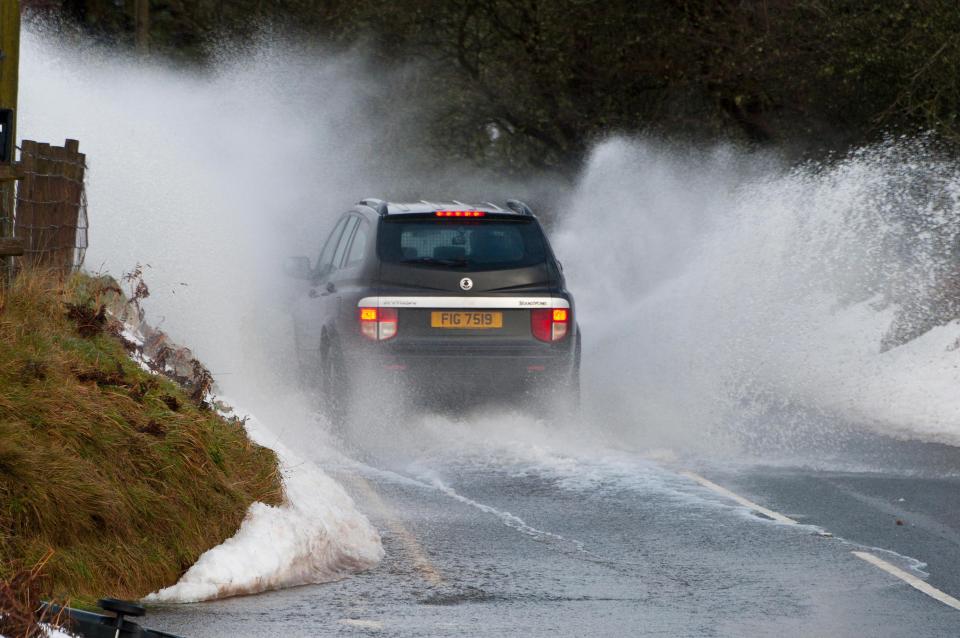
(910,579)
(361,624)
(891,569)
(510,520)
(780,518)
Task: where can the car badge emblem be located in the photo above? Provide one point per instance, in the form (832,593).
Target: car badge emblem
(466,283)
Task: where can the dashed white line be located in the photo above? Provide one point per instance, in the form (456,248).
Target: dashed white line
(891,569)
(361,624)
(910,579)
(777,516)
(510,520)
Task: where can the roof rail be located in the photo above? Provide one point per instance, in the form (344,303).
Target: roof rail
(492,205)
(376,204)
(519,207)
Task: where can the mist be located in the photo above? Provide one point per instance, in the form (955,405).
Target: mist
(717,288)
(730,299)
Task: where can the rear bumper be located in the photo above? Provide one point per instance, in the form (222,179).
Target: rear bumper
(503,369)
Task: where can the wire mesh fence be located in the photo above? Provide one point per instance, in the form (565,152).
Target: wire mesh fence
(51,205)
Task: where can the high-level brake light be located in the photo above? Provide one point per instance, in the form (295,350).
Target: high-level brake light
(550,324)
(378,324)
(460,213)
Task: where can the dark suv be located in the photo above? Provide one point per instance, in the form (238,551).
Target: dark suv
(444,297)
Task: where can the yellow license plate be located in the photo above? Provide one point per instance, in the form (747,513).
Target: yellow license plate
(467,320)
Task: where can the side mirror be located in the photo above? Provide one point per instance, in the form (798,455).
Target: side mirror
(297,267)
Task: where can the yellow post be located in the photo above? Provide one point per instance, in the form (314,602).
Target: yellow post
(9,78)
(10,50)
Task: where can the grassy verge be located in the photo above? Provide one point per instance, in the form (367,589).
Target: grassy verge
(117,471)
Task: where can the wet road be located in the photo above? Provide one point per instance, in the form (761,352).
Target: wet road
(531,541)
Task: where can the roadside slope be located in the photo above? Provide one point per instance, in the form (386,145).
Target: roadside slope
(117,471)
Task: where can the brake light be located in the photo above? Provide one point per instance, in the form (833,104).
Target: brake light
(460,213)
(550,324)
(378,324)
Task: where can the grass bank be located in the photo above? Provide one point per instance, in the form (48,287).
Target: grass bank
(118,472)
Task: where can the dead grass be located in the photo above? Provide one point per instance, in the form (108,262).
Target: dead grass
(117,471)
(21,595)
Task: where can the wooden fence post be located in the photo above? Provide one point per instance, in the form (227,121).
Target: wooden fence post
(9,248)
(26,211)
(73,173)
(43,197)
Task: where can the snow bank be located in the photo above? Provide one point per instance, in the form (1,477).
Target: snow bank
(51,632)
(316,536)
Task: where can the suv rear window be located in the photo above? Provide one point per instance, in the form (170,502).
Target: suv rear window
(469,244)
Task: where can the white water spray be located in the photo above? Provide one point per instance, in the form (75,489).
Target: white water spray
(726,294)
(719,292)
(210,179)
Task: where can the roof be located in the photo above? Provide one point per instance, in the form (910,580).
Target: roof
(399,208)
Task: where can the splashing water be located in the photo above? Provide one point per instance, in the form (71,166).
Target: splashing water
(723,295)
(188,175)
(715,288)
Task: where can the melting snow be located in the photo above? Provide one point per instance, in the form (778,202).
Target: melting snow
(316,536)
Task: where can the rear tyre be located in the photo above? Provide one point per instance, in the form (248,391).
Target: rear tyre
(572,389)
(334,395)
(307,365)
(565,401)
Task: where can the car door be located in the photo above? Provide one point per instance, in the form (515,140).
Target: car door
(353,278)
(333,279)
(310,309)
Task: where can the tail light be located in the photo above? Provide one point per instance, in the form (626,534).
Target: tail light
(550,324)
(460,213)
(378,324)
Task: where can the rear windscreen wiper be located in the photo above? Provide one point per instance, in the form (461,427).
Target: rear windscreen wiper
(434,260)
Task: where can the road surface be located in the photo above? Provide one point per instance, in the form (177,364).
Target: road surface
(528,540)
